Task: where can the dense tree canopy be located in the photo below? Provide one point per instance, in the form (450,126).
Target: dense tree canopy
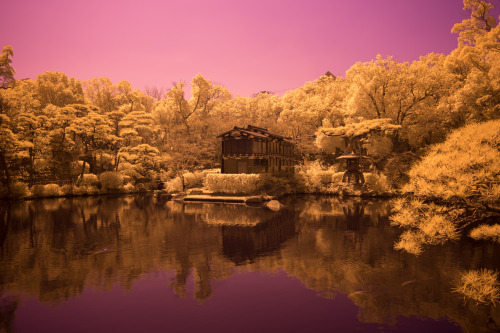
(57,127)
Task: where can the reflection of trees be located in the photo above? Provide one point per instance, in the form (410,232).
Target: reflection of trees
(354,255)
(59,247)
(8,307)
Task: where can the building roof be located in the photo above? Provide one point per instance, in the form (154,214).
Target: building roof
(252,132)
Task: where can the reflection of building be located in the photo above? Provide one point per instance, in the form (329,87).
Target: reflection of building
(247,232)
(242,244)
(255,150)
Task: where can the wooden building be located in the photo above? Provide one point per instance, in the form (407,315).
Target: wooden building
(256,150)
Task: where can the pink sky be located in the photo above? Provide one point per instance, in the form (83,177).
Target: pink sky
(246,46)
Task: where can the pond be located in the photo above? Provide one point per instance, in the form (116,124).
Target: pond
(320,264)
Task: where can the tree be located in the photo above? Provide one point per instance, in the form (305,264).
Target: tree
(475,65)
(12,150)
(92,135)
(480,22)
(57,89)
(61,151)
(305,109)
(6,70)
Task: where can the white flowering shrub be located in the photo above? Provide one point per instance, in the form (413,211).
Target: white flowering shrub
(233,183)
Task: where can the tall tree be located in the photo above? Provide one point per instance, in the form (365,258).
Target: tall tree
(478,24)
(6,70)
(58,89)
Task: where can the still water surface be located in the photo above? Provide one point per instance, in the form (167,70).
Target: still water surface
(133,264)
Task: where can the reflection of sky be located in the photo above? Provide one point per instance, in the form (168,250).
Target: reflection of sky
(247,46)
(244,302)
(175,268)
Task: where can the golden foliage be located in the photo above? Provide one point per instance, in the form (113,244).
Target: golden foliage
(481,286)
(465,165)
(490,232)
(426,224)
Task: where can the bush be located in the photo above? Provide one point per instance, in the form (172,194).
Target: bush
(465,165)
(316,178)
(140,188)
(85,190)
(37,191)
(376,183)
(89,179)
(110,181)
(129,188)
(66,190)
(51,190)
(397,168)
(79,190)
(337,177)
(233,183)
(18,190)
(193,179)
(174,185)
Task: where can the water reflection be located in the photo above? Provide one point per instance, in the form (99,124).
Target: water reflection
(54,249)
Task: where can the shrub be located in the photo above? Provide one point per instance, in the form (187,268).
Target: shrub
(66,190)
(337,177)
(376,183)
(79,190)
(129,188)
(51,190)
(110,181)
(18,190)
(193,179)
(465,165)
(316,178)
(89,179)
(174,185)
(233,183)
(397,167)
(85,190)
(140,188)
(37,191)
